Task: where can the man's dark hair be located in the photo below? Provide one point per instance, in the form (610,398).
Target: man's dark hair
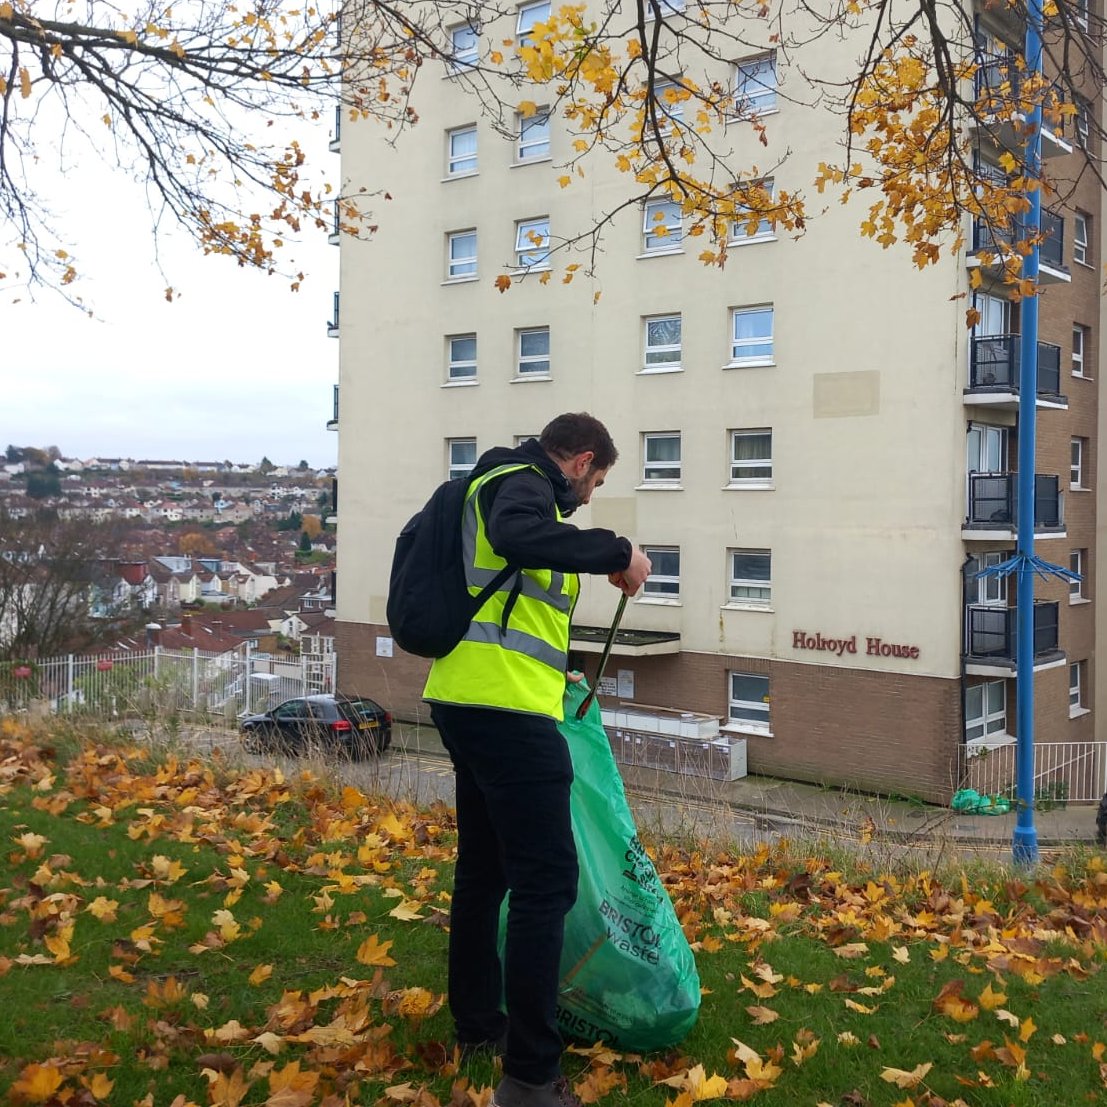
(575,433)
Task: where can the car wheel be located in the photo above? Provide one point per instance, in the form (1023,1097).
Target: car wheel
(251,741)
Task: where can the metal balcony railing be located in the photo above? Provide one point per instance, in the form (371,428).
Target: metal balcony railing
(993,501)
(992,632)
(1051,249)
(995,360)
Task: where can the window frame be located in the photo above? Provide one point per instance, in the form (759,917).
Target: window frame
(1082,124)
(986,718)
(1081,246)
(521,157)
(1079,359)
(737,361)
(745,104)
(761,481)
(524,246)
(762,706)
(649,437)
(531,374)
(459,62)
(522,32)
(671,241)
(1077,706)
(765,585)
(453,376)
(451,160)
(663,347)
(656,580)
(1077,462)
(452,465)
(739,236)
(1077,560)
(451,261)
(672,113)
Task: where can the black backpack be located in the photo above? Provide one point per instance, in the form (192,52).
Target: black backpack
(429,604)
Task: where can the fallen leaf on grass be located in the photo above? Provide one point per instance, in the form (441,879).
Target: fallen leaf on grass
(374,952)
(260,974)
(762,1016)
(904,1079)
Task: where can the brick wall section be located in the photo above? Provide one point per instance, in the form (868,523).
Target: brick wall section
(397,681)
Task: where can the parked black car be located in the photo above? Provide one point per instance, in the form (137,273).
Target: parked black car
(352,726)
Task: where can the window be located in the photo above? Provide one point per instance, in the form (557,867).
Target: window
(661,227)
(750,577)
(752,336)
(464,47)
(520,439)
(1083,122)
(1082,9)
(662,343)
(661,453)
(1076,687)
(534,136)
(668,7)
(534,352)
(1077,560)
(990,590)
(529,15)
(664,578)
(462,349)
(751,457)
(985,710)
(532,244)
(669,97)
(462,255)
(462,454)
(1079,346)
(755,86)
(742,230)
(461,151)
(1076,473)
(749,701)
(1080,239)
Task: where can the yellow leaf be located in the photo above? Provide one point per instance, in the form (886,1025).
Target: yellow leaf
(762,1016)
(1007,1017)
(564,182)
(853,1005)
(270,1042)
(503,282)
(990,1000)
(374,952)
(128,36)
(106,119)
(762,991)
(260,974)
(1026,1031)
(38,1083)
(527,108)
(24,82)
(199,1000)
(407,911)
(103,909)
(232,1031)
(496,57)
(101,1085)
(903,1079)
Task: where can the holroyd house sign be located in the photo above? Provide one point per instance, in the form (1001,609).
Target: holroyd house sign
(873,647)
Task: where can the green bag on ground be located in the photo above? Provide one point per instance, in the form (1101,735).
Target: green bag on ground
(971,802)
(627,973)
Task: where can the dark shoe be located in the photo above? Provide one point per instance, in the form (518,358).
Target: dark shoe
(515,1093)
(490,1047)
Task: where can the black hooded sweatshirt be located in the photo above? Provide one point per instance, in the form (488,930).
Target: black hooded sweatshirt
(520,516)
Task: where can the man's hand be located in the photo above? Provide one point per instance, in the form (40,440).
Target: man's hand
(634,575)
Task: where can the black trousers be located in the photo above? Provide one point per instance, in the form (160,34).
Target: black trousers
(514,834)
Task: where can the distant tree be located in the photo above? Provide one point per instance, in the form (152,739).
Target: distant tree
(35,458)
(53,453)
(293,521)
(324,498)
(265,466)
(303,465)
(14,455)
(43,484)
(196,544)
(312,526)
(305,542)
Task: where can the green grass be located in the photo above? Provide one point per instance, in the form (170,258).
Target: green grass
(176,1011)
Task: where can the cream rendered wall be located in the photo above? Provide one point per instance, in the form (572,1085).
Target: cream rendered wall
(864,519)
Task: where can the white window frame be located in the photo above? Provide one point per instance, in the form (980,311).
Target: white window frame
(674,468)
(526,17)
(1076,463)
(452,159)
(764,586)
(460,60)
(660,350)
(763,100)
(990,721)
(661,587)
(671,113)
(1076,689)
(1083,9)
(736,465)
(1080,239)
(525,247)
(991,590)
(524,144)
(668,7)
(671,227)
(1079,339)
(761,707)
(737,359)
(525,363)
(455,468)
(739,234)
(455,266)
(1083,122)
(460,369)
(1077,560)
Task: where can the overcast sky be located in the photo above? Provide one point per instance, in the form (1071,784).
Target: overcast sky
(238,367)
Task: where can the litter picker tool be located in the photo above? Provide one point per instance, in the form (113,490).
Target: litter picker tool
(587,701)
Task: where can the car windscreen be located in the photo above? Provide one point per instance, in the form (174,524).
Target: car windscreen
(362,708)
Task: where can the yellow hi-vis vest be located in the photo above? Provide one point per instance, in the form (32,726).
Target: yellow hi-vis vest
(519,666)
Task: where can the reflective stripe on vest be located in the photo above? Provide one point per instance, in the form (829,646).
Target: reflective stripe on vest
(520,667)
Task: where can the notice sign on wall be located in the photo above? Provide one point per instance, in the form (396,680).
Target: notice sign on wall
(384,647)
(607,686)
(871,647)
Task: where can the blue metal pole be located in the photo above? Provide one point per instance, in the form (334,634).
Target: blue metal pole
(1025,844)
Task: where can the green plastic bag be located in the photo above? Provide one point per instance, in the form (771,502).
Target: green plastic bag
(971,802)
(627,973)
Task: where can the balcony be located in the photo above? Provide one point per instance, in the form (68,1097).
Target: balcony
(332,326)
(332,519)
(996,87)
(335,236)
(1001,243)
(991,639)
(335,144)
(332,422)
(994,361)
(993,508)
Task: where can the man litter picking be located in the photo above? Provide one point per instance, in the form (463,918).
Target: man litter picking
(496,700)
